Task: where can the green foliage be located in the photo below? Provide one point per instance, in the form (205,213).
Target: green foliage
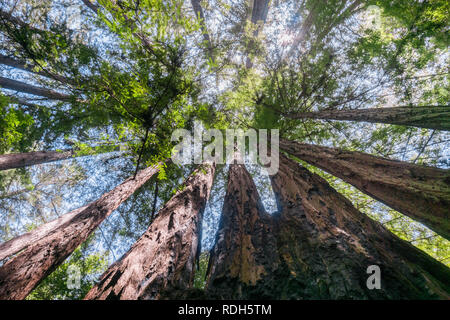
(200,274)
(14,127)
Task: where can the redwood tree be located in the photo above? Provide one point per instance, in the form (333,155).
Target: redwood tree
(162,261)
(432,117)
(326,245)
(23,272)
(20,160)
(420,192)
(244,254)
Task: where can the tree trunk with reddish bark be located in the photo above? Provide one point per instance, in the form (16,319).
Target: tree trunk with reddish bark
(23,241)
(244,255)
(325,246)
(25,159)
(20,275)
(432,117)
(37,91)
(422,193)
(161,263)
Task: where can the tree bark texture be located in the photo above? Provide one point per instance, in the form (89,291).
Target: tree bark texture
(37,91)
(161,263)
(22,242)
(20,275)
(25,159)
(325,246)
(431,117)
(422,193)
(244,255)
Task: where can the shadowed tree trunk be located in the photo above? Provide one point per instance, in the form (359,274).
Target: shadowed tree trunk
(245,249)
(432,117)
(5,60)
(91,5)
(196,5)
(161,263)
(422,193)
(25,159)
(37,91)
(326,245)
(260,9)
(20,275)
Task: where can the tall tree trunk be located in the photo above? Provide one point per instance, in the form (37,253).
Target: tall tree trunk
(260,9)
(161,263)
(422,193)
(37,91)
(5,60)
(23,241)
(25,159)
(91,6)
(432,117)
(20,275)
(326,245)
(245,250)
(196,5)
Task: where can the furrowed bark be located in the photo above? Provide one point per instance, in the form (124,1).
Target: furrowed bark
(161,263)
(431,117)
(244,255)
(25,159)
(326,244)
(20,275)
(23,241)
(37,91)
(422,193)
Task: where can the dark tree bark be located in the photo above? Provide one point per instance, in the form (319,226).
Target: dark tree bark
(20,275)
(25,159)
(260,9)
(432,117)
(244,255)
(325,246)
(161,263)
(90,5)
(422,193)
(37,91)
(196,5)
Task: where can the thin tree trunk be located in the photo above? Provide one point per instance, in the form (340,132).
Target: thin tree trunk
(5,60)
(260,9)
(326,245)
(91,6)
(245,250)
(37,91)
(25,159)
(422,193)
(20,275)
(432,117)
(196,5)
(161,263)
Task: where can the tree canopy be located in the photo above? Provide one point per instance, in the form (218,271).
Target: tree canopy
(112,79)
